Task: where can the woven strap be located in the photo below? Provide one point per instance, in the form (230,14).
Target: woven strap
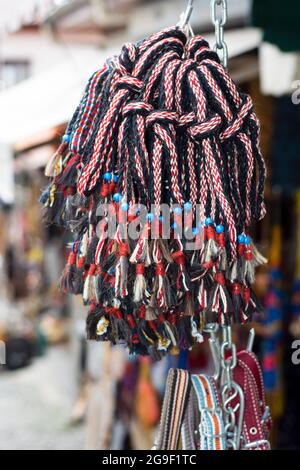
(190,423)
(257,421)
(211,428)
(173,408)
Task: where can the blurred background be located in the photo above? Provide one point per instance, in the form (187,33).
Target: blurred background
(56,390)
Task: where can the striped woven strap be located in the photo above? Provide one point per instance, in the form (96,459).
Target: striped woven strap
(173,408)
(190,423)
(211,428)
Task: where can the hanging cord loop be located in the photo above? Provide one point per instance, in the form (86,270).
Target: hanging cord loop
(219,19)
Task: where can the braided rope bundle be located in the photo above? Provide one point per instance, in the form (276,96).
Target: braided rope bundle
(163,123)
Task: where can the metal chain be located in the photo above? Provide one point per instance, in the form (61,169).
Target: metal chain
(219,19)
(230,390)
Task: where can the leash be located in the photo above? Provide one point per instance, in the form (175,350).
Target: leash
(173,408)
(257,421)
(211,428)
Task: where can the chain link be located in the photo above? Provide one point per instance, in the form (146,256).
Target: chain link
(231,392)
(219,19)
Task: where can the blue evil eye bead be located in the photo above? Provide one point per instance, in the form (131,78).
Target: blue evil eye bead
(124,206)
(195,230)
(208,221)
(188,206)
(247,240)
(66,138)
(116,178)
(107,176)
(241,238)
(161,218)
(177,210)
(219,229)
(150,217)
(117,197)
(174,226)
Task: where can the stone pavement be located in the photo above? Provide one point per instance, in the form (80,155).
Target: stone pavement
(36,402)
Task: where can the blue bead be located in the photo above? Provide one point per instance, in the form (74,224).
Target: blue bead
(161,218)
(241,238)
(124,206)
(150,217)
(174,226)
(219,229)
(208,221)
(116,178)
(177,211)
(107,176)
(247,240)
(188,206)
(66,138)
(195,230)
(117,197)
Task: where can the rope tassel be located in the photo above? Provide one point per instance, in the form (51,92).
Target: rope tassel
(161,124)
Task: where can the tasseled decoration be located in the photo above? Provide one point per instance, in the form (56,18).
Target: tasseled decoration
(183,282)
(198,245)
(91,252)
(220,239)
(185,337)
(145,335)
(79,275)
(97,323)
(123,330)
(203,291)
(66,282)
(80,266)
(167,330)
(54,206)
(210,249)
(161,296)
(141,251)
(236,271)
(68,176)
(238,304)
(162,343)
(89,288)
(160,126)
(54,165)
(134,338)
(121,289)
(102,237)
(79,224)
(248,273)
(140,285)
(219,301)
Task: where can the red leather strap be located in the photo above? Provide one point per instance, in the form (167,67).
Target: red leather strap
(257,423)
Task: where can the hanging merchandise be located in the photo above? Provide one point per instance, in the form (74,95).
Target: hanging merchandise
(226,411)
(161,125)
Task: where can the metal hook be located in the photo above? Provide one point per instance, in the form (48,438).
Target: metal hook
(250,341)
(212,330)
(186,16)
